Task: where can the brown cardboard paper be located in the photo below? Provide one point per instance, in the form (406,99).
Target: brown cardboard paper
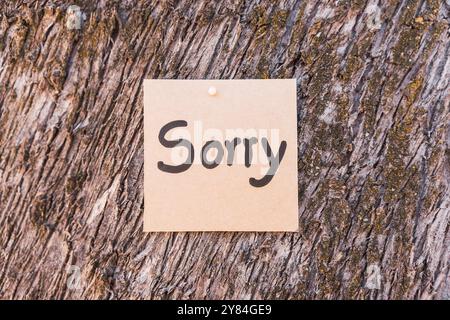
(221,196)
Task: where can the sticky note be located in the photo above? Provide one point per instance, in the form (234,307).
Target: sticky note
(220,155)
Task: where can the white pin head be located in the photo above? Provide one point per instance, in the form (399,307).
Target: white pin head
(212,91)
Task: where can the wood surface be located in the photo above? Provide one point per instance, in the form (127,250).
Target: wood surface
(374,148)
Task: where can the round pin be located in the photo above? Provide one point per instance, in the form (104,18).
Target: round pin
(212,91)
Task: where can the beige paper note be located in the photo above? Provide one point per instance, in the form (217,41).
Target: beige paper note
(220,155)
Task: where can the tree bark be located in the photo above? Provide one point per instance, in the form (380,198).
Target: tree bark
(374,155)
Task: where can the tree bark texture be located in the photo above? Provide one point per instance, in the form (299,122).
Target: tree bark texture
(374,148)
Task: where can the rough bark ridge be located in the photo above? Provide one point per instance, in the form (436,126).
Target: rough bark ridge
(373,128)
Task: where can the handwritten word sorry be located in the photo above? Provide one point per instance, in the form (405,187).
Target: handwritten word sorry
(215,145)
